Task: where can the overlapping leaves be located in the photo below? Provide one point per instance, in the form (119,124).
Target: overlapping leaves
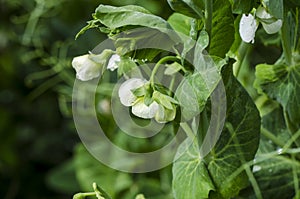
(237,144)
(282,83)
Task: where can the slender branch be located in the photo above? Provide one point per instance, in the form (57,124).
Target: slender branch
(243,49)
(272,137)
(156,67)
(208,16)
(187,129)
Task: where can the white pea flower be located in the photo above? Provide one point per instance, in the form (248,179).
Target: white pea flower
(162,107)
(89,66)
(248,27)
(269,23)
(126,96)
(140,109)
(249,24)
(113,62)
(86,69)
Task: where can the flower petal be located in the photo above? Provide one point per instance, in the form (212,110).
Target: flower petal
(113,62)
(262,13)
(164,115)
(270,23)
(125,94)
(140,109)
(86,69)
(248,27)
(272,28)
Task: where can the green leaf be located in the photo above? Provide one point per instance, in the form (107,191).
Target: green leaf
(117,17)
(282,84)
(146,40)
(234,49)
(192,95)
(275,8)
(242,6)
(203,41)
(180,23)
(236,145)
(127,8)
(275,124)
(274,177)
(287,36)
(191,8)
(90,24)
(164,100)
(240,136)
(128,21)
(222,34)
(183,25)
(190,175)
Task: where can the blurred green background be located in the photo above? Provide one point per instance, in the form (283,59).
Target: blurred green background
(39,146)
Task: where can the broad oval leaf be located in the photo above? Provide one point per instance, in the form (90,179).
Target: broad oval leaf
(236,145)
(239,139)
(191,8)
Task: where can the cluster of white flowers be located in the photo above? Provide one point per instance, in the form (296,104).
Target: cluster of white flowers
(249,24)
(162,107)
(89,66)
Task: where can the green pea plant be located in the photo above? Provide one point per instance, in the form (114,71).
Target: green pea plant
(240,118)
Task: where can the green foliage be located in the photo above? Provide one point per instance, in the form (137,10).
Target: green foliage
(281,83)
(191,177)
(242,6)
(191,8)
(223,27)
(242,163)
(257,152)
(114,18)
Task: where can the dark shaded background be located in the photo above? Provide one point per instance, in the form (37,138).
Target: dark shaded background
(37,133)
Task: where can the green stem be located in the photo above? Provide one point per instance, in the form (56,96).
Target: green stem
(291,140)
(253,182)
(292,129)
(272,137)
(296,28)
(32,22)
(208,16)
(156,67)
(171,85)
(243,49)
(83,195)
(187,129)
